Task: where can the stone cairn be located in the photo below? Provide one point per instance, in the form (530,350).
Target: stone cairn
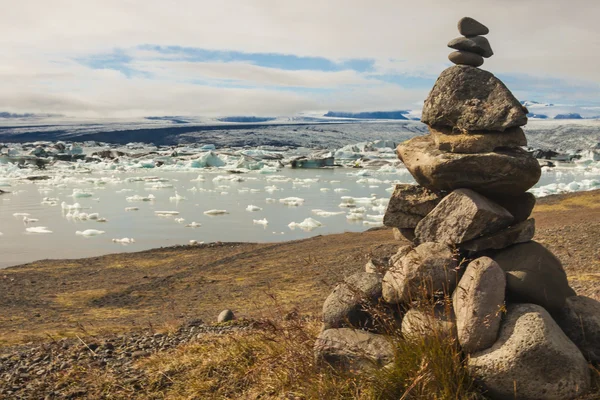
(505,298)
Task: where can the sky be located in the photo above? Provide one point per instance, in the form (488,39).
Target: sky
(133,58)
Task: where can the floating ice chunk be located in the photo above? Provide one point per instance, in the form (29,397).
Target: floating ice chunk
(372,223)
(215,212)
(292,201)
(340,190)
(94,216)
(89,232)
(200,178)
(179,220)
(355,216)
(131,208)
(324,189)
(166,213)
(192,242)
(102,220)
(20,214)
(253,208)
(308,224)
(70,207)
(150,197)
(38,229)
(81,193)
(377,217)
(323,213)
(270,200)
(29,220)
(193,225)
(124,241)
(159,186)
(263,221)
(177,197)
(271,189)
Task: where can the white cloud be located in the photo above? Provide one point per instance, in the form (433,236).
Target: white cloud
(40,40)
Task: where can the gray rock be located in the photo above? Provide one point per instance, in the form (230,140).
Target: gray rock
(531,360)
(517,233)
(503,172)
(534,275)
(348,303)
(225,315)
(473,44)
(466,58)
(471,99)
(353,349)
(408,205)
(402,234)
(478,302)
(580,320)
(461,216)
(427,269)
(477,142)
(520,206)
(468,26)
(436,322)
(399,255)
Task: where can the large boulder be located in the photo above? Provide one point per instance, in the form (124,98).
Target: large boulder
(353,349)
(471,99)
(461,216)
(580,320)
(502,172)
(437,322)
(348,303)
(534,275)
(520,206)
(408,205)
(476,142)
(517,233)
(427,269)
(478,302)
(531,360)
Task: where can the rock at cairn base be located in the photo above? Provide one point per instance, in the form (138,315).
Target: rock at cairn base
(477,142)
(506,172)
(468,26)
(428,269)
(478,302)
(534,275)
(225,316)
(353,349)
(531,360)
(520,206)
(348,303)
(466,58)
(470,99)
(580,320)
(517,233)
(418,324)
(408,205)
(476,44)
(461,216)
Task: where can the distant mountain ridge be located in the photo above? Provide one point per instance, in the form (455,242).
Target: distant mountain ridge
(400,115)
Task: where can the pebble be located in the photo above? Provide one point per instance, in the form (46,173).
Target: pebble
(468,26)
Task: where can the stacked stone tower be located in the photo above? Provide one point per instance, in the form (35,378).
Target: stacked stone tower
(521,327)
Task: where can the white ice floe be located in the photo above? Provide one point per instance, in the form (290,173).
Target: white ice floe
(131,209)
(28,220)
(576,186)
(38,229)
(340,190)
(323,213)
(192,242)
(324,189)
(307,225)
(150,197)
(177,197)
(70,207)
(263,221)
(81,193)
(179,220)
(166,213)
(253,208)
(292,201)
(200,178)
(89,232)
(215,212)
(20,214)
(270,200)
(194,225)
(124,240)
(372,223)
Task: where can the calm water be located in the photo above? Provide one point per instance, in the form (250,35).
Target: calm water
(109,191)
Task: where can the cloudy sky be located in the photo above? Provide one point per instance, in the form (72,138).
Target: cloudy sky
(127,58)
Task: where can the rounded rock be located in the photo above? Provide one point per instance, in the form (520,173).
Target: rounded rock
(475,44)
(466,58)
(468,26)
(225,316)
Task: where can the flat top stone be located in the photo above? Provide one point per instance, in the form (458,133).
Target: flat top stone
(468,26)
(470,99)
